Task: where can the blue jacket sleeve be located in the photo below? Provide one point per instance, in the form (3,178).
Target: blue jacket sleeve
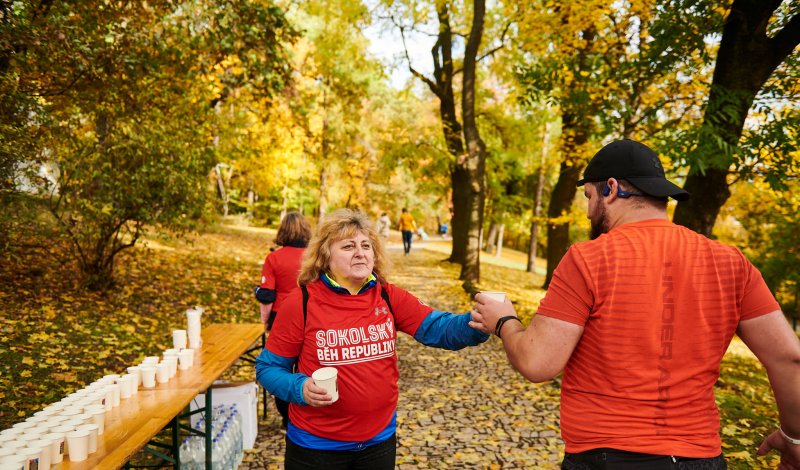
(274,372)
(448,331)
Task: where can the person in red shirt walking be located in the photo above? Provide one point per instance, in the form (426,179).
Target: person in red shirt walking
(639,318)
(279,276)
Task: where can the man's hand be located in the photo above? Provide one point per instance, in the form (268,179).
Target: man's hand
(488,311)
(790,453)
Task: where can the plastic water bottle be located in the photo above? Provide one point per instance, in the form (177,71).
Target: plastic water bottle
(185,452)
(216,455)
(199,452)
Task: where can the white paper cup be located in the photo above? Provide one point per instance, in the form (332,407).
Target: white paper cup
(326,378)
(15,461)
(170,352)
(103,398)
(116,389)
(38,419)
(34,456)
(78,445)
(133,383)
(6,451)
(124,383)
(148,376)
(150,360)
(172,362)
(10,434)
(495,295)
(135,371)
(57,446)
(23,425)
(185,359)
(45,446)
(193,326)
(17,443)
(75,421)
(93,430)
(98,417)
(162,372)
(179,339)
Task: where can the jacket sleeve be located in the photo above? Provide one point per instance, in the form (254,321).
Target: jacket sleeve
(274,372)
(448,331)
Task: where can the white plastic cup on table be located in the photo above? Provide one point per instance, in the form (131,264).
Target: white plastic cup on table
(16,461)
(150,360)
(185,359)
(23,425)
(109,379)
(34,456)
(133,383)
(8,434)
(179,339)
(172,362)
(148,376)
(495,295)
(193,327)
(57,446)
(45,447)
(170,352)
(63,430)
(75,421)
(103,398)
(78,445)
(326,377)
(115,388)
(6,451)
(135,370)
(93,430)
(98,417)
(162,372)
(124,383)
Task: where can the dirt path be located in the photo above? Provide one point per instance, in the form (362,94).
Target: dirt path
(457,409)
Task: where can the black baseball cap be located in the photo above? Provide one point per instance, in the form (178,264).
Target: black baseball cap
(636,163)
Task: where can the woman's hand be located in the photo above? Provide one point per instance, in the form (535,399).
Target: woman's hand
(314,395)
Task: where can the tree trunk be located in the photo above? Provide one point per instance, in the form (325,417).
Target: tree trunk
(476,152)
(537,205)
(500,240)
(490,238)
(575,133)
(745,46)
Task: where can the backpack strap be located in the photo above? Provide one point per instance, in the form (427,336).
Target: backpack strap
(385,296)
(305,303)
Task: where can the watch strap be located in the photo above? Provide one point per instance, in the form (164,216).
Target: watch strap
(502,321)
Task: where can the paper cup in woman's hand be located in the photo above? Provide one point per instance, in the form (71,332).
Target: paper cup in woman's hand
(326,378)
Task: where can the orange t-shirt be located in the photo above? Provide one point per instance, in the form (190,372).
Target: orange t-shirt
(659,305)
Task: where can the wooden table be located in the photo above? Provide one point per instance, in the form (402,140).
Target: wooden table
(131,426)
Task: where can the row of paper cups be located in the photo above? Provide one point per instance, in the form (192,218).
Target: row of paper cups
(71,426)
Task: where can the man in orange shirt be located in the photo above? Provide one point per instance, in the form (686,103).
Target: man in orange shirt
(639,318)
(407,227)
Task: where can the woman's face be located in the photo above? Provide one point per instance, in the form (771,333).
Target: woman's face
(352,260)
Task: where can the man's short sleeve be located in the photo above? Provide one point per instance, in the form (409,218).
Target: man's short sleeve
(757,299)
(569,296)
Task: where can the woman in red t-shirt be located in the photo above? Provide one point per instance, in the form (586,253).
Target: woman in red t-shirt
(279,276)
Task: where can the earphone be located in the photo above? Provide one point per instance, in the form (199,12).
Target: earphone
(620,193)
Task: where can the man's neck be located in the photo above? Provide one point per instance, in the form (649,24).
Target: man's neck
(637,215)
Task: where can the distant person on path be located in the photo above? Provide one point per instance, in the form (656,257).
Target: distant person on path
(346,315)
(639,318)
(279,276)
(407,226)
(383,225)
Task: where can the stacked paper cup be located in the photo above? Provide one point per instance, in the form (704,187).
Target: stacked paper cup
(193,326)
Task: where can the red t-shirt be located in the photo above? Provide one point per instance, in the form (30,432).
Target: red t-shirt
(280,271)
(356,334)
(659,305)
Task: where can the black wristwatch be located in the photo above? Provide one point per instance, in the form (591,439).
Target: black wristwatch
(502,321)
